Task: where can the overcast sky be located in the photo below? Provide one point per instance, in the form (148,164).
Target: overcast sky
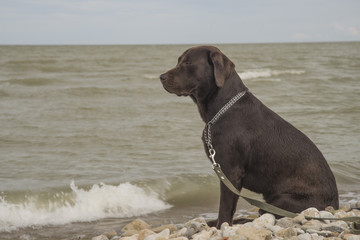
(177,21)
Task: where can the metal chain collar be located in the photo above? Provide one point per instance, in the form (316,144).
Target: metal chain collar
(207,130)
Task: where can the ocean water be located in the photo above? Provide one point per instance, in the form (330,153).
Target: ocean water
(90,140)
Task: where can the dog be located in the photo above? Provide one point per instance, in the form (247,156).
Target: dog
(256,148)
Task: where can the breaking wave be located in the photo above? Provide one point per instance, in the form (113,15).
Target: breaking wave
(80,205)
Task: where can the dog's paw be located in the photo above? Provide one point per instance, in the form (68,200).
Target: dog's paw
(212,223)
(242,220)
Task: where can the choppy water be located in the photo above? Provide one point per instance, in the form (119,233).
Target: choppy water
(89,139)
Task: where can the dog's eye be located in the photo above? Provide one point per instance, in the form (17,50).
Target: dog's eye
(187,62)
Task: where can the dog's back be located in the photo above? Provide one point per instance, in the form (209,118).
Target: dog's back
(296,173)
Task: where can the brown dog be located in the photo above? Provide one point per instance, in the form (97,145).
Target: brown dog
(255,147)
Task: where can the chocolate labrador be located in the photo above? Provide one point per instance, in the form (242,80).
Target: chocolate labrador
(256,148)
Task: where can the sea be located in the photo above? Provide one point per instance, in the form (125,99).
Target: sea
(90,140)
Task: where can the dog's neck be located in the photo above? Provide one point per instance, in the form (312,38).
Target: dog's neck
(218,97)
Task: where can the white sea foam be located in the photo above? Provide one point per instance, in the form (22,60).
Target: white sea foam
(100,201)
(267,73)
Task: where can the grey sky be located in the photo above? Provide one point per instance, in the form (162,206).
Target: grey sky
(173,22)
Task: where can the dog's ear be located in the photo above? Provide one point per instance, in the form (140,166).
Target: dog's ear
(223,67)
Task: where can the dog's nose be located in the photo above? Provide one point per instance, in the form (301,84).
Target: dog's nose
(163,77)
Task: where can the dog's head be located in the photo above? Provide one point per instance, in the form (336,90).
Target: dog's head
(198,72)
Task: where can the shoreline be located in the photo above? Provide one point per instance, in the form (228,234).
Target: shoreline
(257,227)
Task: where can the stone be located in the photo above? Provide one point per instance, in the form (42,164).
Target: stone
(320,233)
(341,235)
(249,224)
(276,229)
(340,214)
(280,233)
(311,212)
(180,226)
(133,237)
(110,234)
(353,237)
(145,233)
(223,226)
(338,226)
(194,226)
(171,227)
(329,209)
(304,236)
(179,233)
(115,238)
(196,220)
(299,219)
(100,237)
(290,232)
(299,231)
(314,236)
(135,227)
(192,230)
(237,237)
(326,214)
(266,220)
(164,235)
(203,235)
(350,214)
(215,234)
(228,231)
(285,222)
(252,233)
(347,235)
(312,224)
(129,233)
(292,238)
(356,212)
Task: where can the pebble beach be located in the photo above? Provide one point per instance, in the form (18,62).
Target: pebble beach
(265,226)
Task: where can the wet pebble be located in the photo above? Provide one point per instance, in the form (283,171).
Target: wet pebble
(263,227)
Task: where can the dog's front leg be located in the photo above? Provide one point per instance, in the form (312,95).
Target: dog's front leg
(228,202)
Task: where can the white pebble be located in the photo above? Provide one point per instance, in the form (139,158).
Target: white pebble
(100,237)
(304,236)
(266,220)
(162,235)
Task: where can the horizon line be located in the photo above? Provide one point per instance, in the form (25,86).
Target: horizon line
(164,44)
